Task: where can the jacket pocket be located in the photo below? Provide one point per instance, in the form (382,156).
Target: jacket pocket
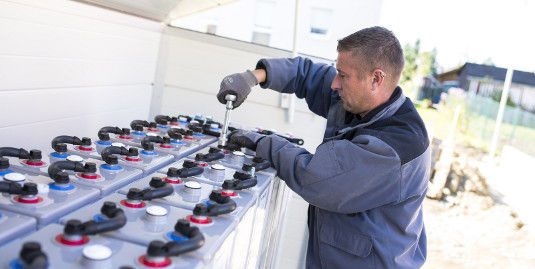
(345,250)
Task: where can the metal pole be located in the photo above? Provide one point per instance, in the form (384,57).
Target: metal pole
(499,118)
(291,105)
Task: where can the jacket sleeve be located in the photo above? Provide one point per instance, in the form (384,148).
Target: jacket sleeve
(303,77)
(342,176)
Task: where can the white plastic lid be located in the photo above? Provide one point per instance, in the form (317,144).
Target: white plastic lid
(14,177)
(214,126)
(152,134)
(97,252)
(182,119)
(238,153)
(75,158)
(192,185)
(156,210)
(218,167)
(117,144)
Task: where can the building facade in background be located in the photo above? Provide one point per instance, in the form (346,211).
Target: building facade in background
(487,80)
(271,22)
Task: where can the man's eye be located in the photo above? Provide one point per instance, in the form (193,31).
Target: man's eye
(342,76)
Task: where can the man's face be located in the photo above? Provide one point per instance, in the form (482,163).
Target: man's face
(352,84)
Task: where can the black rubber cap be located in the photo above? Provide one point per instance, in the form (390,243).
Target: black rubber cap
(189,164)
(61,148)
(227,185)
(148,146)
(157,182)
(4,163)
(189,133)
(133,152)
(125,131)
(173,172)
(29,188)
(182,226)
(103,136)
(61,178)
(112,160)
(73,227)
(242,176)
(35,154)
(153,125)
(137,128)
(29,251)
(218,197)
(134,194)
(258,159)
(166,140)
(247,167)
(156,249)
(200,156)
(108,208)
(30,247)
(196,128)
(200,209)
(86,141)
(90,167)
(214,150)
(173,119)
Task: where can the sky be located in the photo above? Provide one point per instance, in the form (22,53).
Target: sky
(468,30)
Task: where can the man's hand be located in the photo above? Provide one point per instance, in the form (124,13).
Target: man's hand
(245,138)
(238,84)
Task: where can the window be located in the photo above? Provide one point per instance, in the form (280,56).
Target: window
(265,10)
(263,22)
(320,21)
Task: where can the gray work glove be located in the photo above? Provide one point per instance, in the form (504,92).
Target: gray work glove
(245,139)
(238,84)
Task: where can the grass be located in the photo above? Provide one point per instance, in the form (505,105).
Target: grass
(475,130)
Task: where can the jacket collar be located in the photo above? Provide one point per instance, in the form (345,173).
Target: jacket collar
(382,111)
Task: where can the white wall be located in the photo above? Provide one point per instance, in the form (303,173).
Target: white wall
(71,68)
(191,68)
(237,20)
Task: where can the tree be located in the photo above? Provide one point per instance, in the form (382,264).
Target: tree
(428,63)
(488,61)
(411,56)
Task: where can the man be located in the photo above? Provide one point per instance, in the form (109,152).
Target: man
(367,180)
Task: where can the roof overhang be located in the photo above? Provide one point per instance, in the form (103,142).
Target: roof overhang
(159,10)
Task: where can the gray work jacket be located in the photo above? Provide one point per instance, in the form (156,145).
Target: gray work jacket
(367,180)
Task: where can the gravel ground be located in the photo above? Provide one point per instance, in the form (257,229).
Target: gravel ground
(470,229)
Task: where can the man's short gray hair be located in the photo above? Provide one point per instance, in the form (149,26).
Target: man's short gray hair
(377,48)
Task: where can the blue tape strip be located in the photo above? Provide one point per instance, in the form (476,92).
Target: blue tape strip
(6,172)
(148,152)
(103,143)
(174,237)
(62,156)
(107,167)
(60,188)
(98,218)
(140,134)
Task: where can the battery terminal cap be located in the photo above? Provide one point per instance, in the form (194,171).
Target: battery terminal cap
(97,252)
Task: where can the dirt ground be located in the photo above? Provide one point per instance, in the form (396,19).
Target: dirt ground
(469,229)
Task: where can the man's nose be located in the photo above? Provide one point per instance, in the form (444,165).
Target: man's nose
(336,85)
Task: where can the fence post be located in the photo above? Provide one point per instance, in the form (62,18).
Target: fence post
(499,118)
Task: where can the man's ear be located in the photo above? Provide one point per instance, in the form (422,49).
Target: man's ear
(378,77)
